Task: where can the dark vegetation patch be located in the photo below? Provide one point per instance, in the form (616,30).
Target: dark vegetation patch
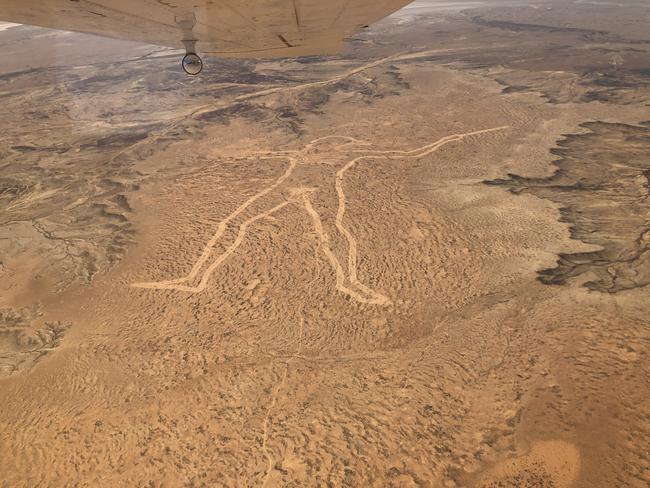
(609,69)
(24,149)
(116,140)
(226,114)
(24,341)
(513,88)
(18,74)
(313,100)
(113,139)
(288,110)
(290,118)
(241,72)
(311,59)
(521,27)
(11,189)
(602,185)
(395,76)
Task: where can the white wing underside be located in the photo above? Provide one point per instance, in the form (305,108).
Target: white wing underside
(231,28)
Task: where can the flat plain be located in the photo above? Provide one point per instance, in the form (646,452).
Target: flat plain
(422,262)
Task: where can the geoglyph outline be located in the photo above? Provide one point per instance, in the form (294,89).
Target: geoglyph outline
(356,290)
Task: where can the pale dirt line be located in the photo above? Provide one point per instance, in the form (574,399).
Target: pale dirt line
(207,251)
(274,400)
(352,242)
(423,54)
(350,140)
(408,152)
(227,104)
(220,230)
(225,255)
(376,298)
(457,137)
(434,145)
(309,145)
(310,84)
(30,198)
(340,274)
(212,107)
(360,69)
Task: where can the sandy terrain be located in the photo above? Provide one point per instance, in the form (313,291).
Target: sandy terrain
(424,262)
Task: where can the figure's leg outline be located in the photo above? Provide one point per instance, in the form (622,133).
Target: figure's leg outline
(223,225)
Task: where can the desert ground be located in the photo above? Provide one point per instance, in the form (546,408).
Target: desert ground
(422,262)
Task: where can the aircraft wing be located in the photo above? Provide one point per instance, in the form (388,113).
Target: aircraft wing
(230,28)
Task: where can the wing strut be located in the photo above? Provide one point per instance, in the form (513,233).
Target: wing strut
(192,63)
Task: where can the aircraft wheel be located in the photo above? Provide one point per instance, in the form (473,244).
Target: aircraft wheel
(192,64)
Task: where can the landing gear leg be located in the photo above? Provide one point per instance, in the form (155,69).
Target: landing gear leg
(192,63)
